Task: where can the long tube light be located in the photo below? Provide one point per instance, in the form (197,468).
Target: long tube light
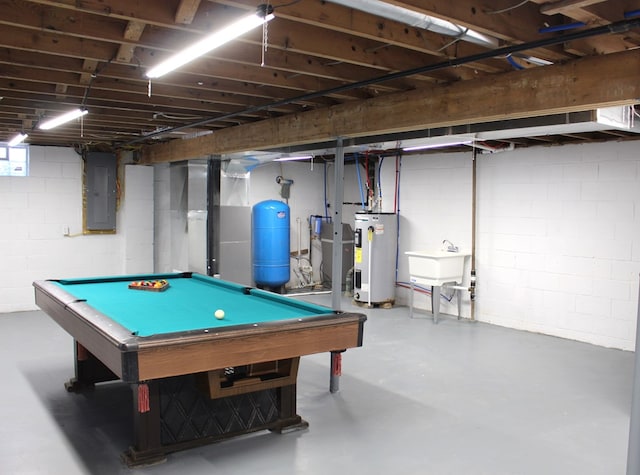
(437,145)
(63,119)
(17,139)
(215,40)
(289,159)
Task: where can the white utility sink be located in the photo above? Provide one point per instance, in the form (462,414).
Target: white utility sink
(436,267)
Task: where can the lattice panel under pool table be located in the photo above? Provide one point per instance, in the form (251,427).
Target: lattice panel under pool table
(187,413)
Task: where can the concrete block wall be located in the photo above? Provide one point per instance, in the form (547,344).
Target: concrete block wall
(36,212)
(558,235)
(559,241)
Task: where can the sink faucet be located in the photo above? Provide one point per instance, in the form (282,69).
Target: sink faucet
(448,246)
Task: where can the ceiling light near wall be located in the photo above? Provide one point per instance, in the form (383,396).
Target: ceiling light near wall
(437,145)
(63,119)
(17,139)
(215,40)
(289,159)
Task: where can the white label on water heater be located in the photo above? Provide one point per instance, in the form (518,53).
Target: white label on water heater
(379,229)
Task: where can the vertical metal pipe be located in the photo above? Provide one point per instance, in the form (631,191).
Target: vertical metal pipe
(474,166)
(213,215)
(633,451)
(336,271)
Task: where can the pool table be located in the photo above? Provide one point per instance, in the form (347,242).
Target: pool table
(195,378)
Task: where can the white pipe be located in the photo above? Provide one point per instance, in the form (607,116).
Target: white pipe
(299,239)
(370,237)
(419,20)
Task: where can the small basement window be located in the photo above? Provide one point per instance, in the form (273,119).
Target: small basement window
(14,161)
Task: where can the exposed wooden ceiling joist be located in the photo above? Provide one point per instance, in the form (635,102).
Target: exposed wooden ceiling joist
(58,54)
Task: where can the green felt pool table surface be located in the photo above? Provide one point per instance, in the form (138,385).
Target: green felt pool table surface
(186,304)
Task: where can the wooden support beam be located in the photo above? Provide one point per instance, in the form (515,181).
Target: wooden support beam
(132,34)
(89,67)
(61,91)
(583,84)
(563,5)
(187,11)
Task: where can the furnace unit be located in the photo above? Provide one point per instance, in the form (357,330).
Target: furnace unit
(375,247)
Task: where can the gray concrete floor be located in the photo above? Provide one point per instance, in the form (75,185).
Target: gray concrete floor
(417,398)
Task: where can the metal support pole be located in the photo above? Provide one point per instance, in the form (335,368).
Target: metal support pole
(338,196)
(633,453)
(435,302)
(213,215)
(474,193)
(336,270)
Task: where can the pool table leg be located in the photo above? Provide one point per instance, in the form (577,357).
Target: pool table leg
(289,420)
(147,447)
(336,371)
(89,370)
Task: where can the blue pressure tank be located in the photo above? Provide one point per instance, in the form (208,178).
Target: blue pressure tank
(270,243)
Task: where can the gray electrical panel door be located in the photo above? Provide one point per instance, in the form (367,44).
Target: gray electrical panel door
(100,191)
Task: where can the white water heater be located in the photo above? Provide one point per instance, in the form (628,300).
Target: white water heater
(375,248)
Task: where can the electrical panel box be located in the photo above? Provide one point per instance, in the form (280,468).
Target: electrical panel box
(100,177)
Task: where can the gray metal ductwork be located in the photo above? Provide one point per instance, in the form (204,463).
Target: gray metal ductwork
(419,20)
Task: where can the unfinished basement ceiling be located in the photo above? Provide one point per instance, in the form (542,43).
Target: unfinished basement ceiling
(58,55)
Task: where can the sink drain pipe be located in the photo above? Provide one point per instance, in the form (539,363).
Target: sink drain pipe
(472,282)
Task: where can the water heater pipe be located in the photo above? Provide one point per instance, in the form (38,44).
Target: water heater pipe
(299,237)
(472,284)
(370,238)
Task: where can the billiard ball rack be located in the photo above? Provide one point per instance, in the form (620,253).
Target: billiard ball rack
(150,285)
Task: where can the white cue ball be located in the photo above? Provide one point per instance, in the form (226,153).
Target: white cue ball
(219,314)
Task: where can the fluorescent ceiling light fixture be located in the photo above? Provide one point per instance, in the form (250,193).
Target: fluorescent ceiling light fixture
(62,119)
(17,139)
(537,61)
(213,41)
(289,159)
(437,145)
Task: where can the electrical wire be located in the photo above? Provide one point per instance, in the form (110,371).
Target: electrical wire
(381,159)
(455,40)
(555,28)
(424,290)
(417,288)
(513,63)
(508,9)
(362,201)
(366,170)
